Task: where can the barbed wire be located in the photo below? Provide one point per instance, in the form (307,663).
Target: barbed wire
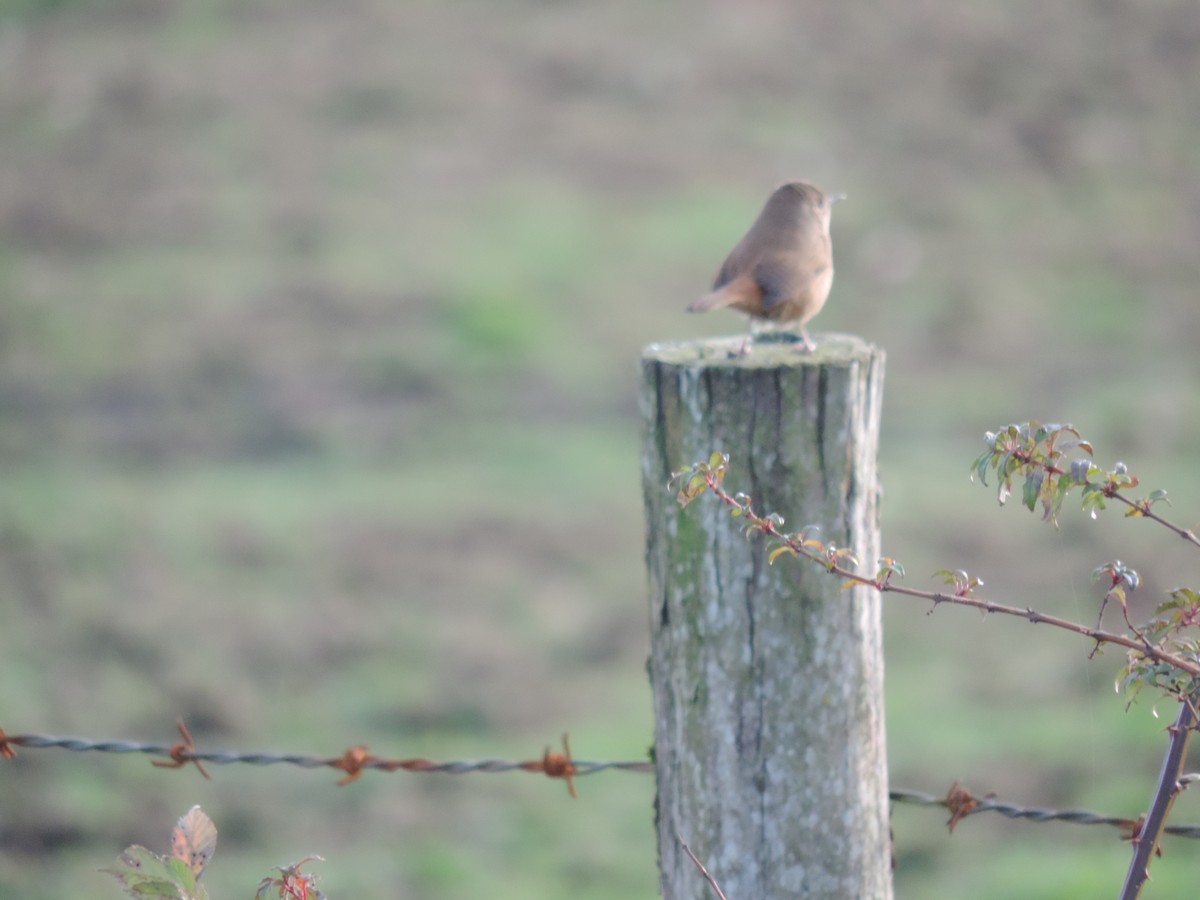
(1033,814)
(221,758)
(354,761)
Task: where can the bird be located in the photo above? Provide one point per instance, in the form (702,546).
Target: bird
(781,270)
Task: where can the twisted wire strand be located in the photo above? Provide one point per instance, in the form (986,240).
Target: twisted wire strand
(1038,814)
(230,757)
(577,768)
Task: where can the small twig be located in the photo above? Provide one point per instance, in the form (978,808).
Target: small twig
(1143,510)
(699,865)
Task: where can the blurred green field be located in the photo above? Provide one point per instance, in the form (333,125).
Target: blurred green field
(319,328)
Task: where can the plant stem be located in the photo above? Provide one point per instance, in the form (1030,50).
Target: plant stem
(1165,792)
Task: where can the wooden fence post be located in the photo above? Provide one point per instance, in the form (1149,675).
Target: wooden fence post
(768,680)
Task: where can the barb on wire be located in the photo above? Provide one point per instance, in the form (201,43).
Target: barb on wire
(182,753)
(6,749)
(559,765)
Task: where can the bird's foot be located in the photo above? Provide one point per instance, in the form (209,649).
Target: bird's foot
(796,338)
(805,344)
(742,350)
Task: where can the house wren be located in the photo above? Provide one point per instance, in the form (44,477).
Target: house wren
(780,272)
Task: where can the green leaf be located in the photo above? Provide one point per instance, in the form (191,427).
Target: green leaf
(147,875)
(1093,499)
(1002,467)
(1185,595)
(1033,487)
(980,466)
(777,552)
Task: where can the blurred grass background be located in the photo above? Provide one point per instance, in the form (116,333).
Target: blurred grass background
(318,338)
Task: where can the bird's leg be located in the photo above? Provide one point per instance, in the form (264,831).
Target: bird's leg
(805,343)
(745,348)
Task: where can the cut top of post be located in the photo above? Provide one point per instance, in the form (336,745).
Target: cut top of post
(832,348)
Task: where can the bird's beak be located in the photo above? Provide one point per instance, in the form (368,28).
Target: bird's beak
(834,198)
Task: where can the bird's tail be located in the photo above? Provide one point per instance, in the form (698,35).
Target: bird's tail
(738,291)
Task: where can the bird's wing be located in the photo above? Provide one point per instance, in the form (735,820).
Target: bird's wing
(782,281)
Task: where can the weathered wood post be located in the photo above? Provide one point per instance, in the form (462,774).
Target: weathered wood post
(768,680)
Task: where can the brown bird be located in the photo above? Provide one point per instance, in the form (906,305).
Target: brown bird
(781,270)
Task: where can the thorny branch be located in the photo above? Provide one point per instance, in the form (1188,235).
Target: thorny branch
(1145,836)
(831,558)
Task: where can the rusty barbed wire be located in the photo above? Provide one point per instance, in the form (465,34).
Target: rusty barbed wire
(961,805)
(355,760)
